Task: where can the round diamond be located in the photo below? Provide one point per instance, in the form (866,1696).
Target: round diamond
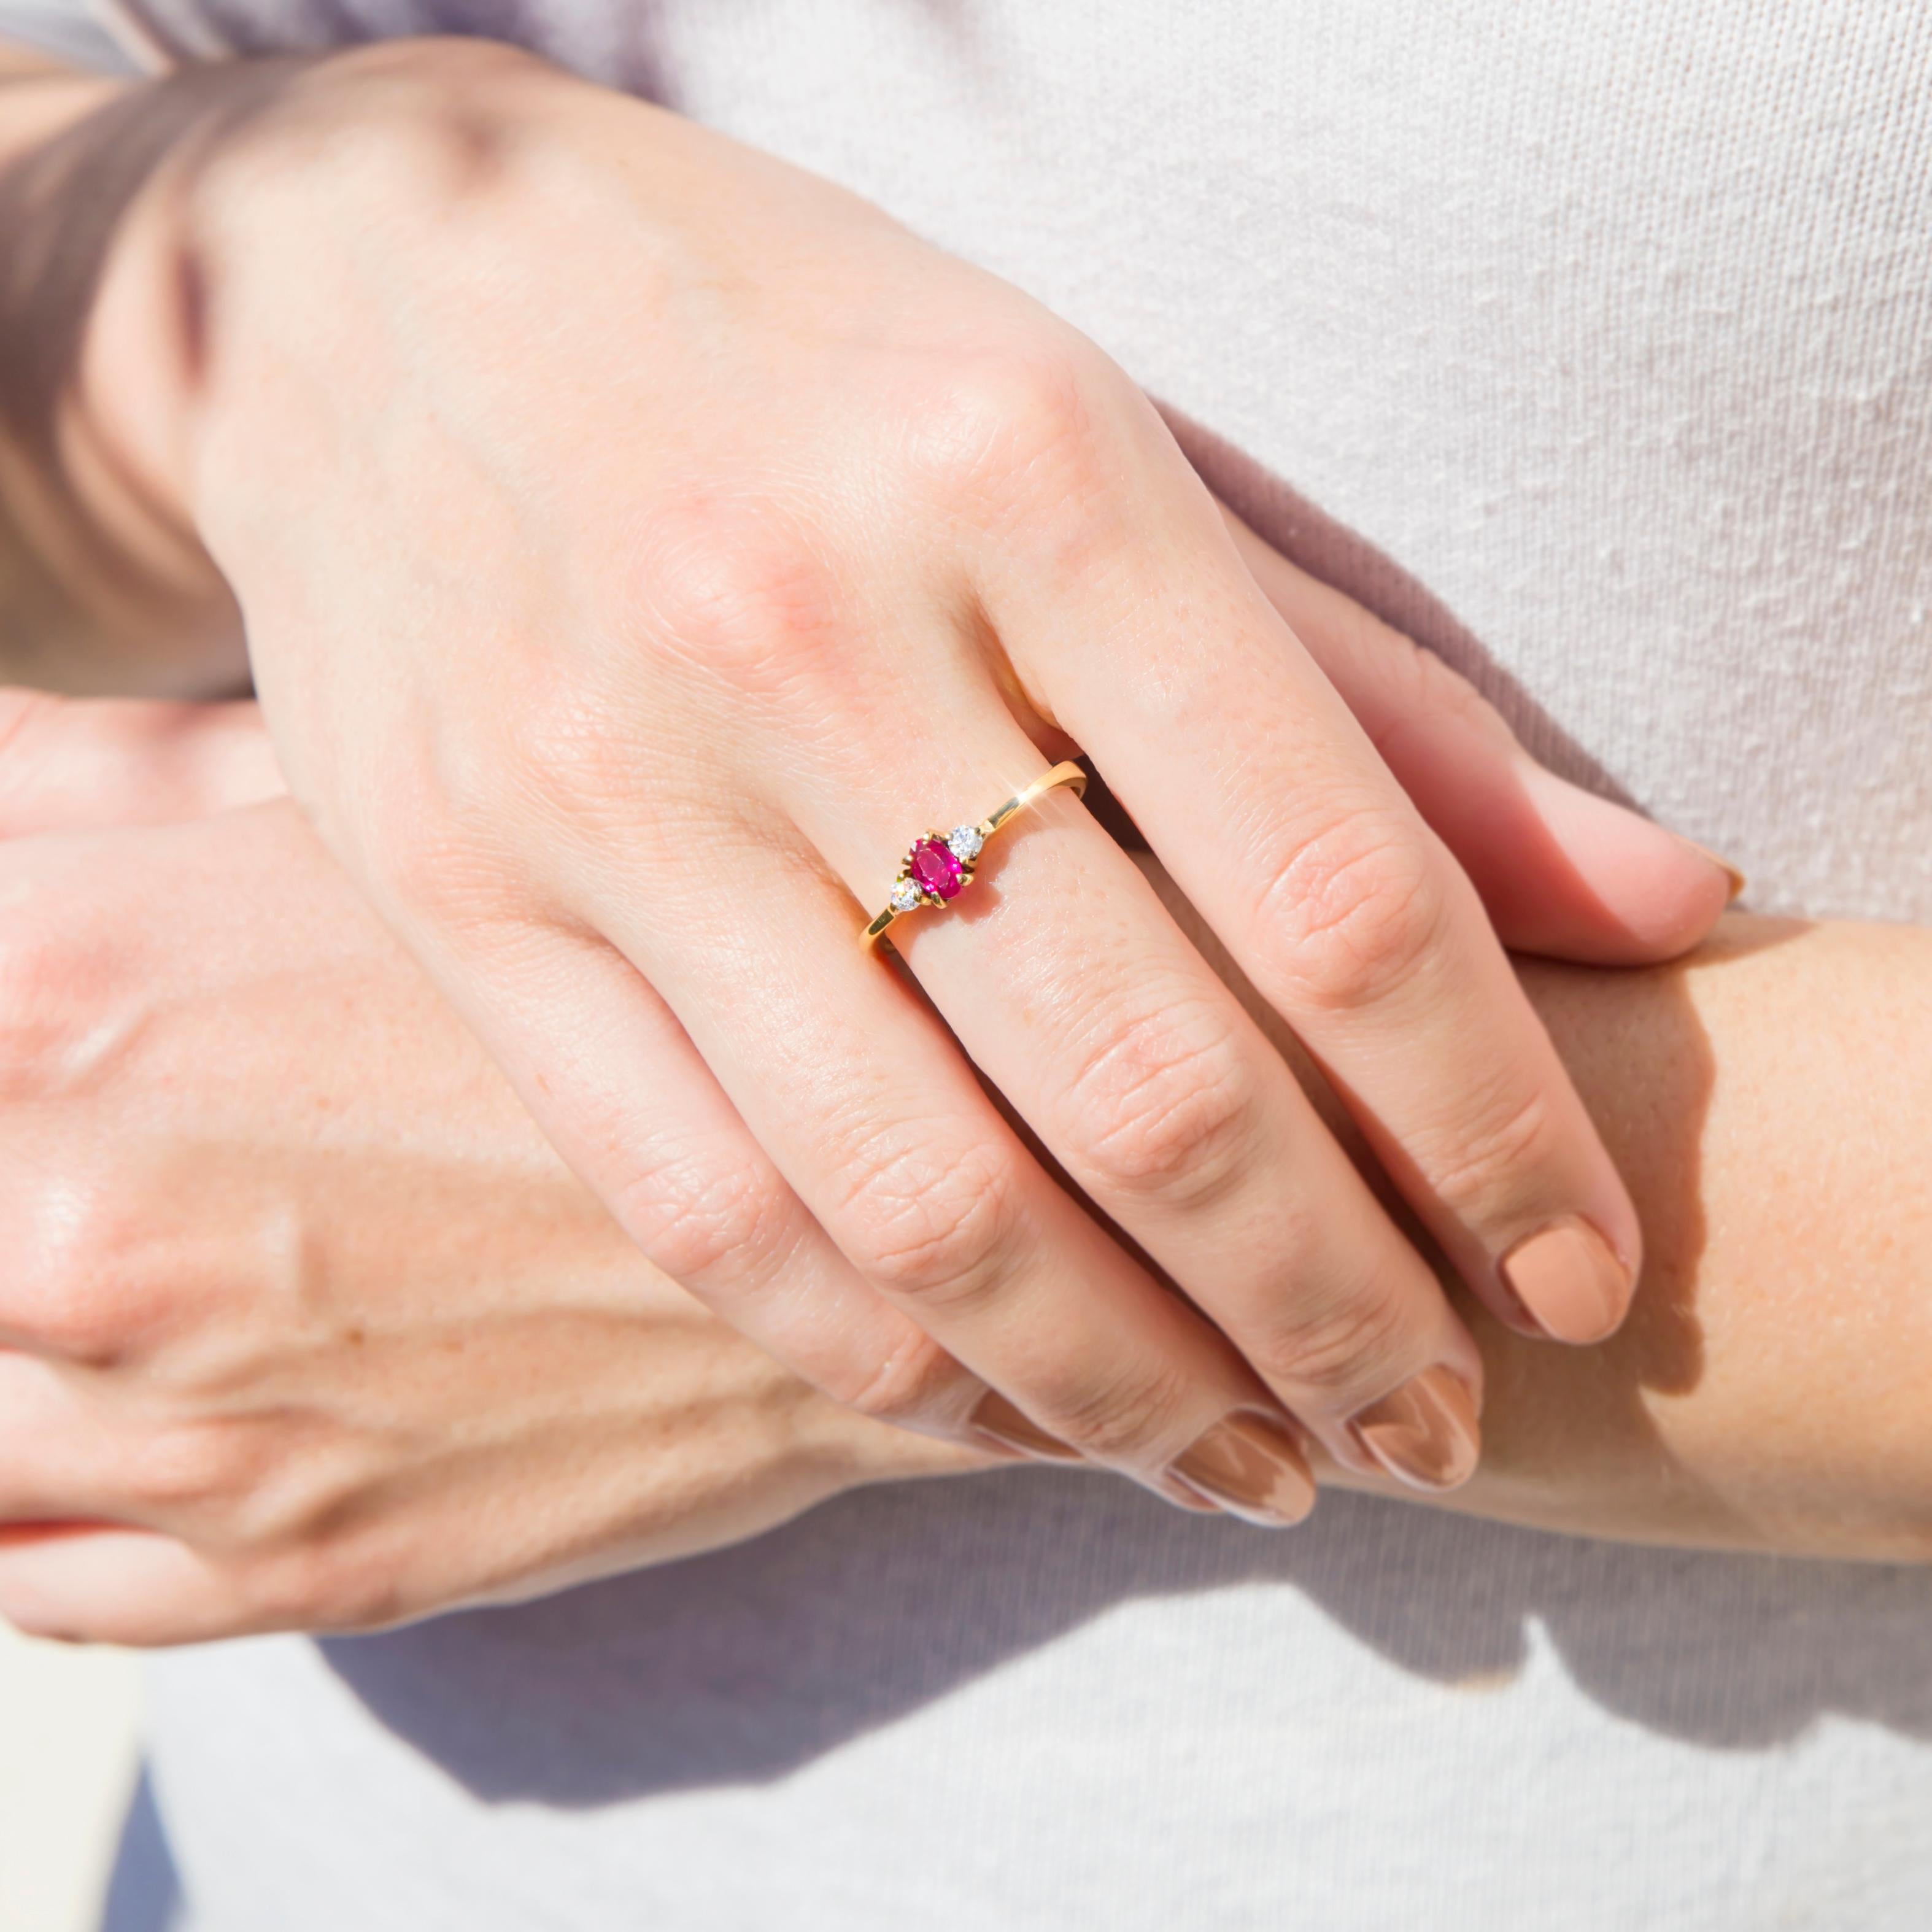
(905,896)
(965,841)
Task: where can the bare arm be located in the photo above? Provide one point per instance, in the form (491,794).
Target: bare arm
(1770,1103)
(1773,1101)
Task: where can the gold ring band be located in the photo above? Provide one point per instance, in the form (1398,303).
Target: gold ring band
(938,867)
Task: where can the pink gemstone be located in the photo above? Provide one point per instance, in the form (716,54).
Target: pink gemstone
(934,866)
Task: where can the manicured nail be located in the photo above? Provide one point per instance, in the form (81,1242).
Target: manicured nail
(1738,881)
(1252,1466)
(1172,1489)
(1569,1280)
(1006,1427)
(1425,1433)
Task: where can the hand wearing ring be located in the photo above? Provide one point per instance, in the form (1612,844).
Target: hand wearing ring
(636,540)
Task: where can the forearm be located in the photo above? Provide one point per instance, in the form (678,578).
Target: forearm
(1768,1103)
(103,585)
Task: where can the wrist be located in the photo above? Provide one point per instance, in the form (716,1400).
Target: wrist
(142,219)
(110,588)
(267,299)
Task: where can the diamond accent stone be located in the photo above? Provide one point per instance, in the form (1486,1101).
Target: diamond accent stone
(965,842)
(905,896)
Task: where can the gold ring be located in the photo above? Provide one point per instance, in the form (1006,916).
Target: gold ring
(939,866)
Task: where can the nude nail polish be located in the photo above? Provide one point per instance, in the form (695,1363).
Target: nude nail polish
(1425,1433)
(1011,1429)
(1569,1281)
(1170,1489)
(1252,1466)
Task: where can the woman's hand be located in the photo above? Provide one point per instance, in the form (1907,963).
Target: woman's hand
(303,1323)
(639,541)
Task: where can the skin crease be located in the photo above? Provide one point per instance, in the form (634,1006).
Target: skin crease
(309,1308)
(607,504)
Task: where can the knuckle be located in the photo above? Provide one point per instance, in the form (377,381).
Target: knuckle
(1111,1417)
(914,1385)
(930,1223)
(185,1470)
(426,158)
(87,1284)
(1168,1109)
(440,830)
(1352,914)
(1507,1136)
(740,593)
(66,975)
(1022,419)
(700,1218)
(1336,1345)
(563,746)
(430,847)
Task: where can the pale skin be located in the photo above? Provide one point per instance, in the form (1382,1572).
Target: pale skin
(639,541)
(315,1331)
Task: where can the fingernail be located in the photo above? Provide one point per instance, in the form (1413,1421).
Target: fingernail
(1010,1428)
(1251,1465)
(1738,881)
(1425,1433)
(1172,1489)
(1569,1280)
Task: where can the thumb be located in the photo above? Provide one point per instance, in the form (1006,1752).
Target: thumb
(67,763)
(1562,871)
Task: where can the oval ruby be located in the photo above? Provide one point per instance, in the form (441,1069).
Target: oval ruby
(937,869)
